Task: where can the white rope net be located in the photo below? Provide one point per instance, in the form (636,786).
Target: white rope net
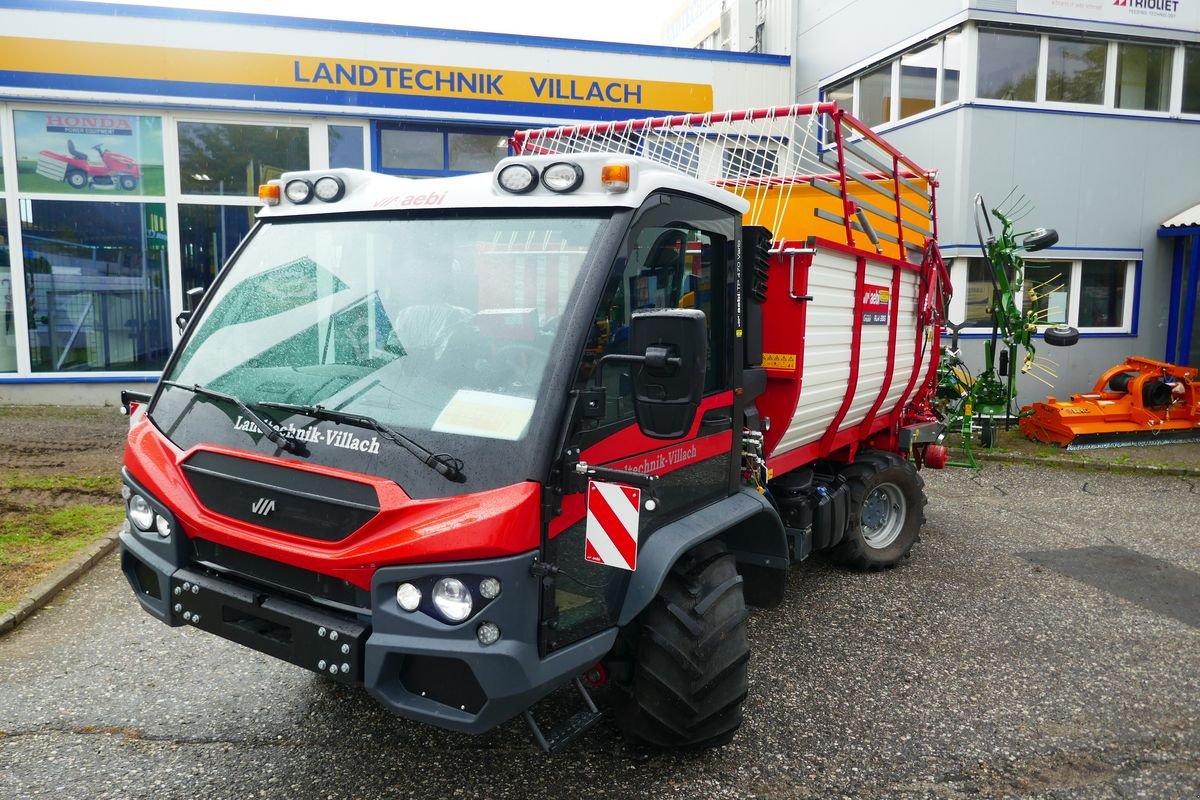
(774,158)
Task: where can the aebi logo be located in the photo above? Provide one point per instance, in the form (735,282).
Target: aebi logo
(263,506)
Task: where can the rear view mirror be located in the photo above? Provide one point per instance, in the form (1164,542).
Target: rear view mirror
(192,299)
(672,346)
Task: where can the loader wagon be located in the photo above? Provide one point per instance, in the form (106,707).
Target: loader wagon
(465,441)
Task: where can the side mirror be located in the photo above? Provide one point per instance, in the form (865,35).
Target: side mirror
(192,299)
(1039,239)
(672,346)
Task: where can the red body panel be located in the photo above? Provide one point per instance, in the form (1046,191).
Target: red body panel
(487,524)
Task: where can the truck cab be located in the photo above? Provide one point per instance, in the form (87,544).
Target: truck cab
(382,447)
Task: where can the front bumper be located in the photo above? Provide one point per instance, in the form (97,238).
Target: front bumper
(413,663)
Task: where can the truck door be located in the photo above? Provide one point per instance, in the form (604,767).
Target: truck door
(678,253)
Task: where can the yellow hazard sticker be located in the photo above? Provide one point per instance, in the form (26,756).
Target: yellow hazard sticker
(779,360)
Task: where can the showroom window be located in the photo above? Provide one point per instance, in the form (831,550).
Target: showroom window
(1093,295)
(8,322)
(217,158)
(93,225)
(434,152)
(221,166)
(346,148)
(96,285)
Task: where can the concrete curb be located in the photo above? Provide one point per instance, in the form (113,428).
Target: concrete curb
(1099,466)
(45,590)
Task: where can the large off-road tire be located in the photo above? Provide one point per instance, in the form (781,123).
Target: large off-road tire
(886,511)
(688,680)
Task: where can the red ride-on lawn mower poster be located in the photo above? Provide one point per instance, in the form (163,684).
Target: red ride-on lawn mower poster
(76,151)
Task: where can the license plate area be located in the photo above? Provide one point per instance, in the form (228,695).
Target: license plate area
(278,626)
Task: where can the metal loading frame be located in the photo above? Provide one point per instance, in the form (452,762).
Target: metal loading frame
(779,159)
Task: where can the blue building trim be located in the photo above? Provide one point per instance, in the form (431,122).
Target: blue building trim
(1188,320)
(52,378)
(1172,349)
(384,29)
(372,100)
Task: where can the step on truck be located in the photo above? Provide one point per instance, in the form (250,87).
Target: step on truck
(466,441)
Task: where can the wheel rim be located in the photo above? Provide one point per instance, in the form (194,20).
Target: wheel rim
(883,515)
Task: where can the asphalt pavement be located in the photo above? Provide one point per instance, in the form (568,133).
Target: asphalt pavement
(1042,641)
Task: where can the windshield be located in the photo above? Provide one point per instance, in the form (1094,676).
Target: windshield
(442,325)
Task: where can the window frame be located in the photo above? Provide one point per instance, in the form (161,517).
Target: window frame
(1130,292)
(968,85)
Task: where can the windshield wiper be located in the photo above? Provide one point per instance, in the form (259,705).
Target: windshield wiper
(443,463)
(285,442)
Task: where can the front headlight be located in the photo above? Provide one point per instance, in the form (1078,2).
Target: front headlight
(452,599)
(140,513)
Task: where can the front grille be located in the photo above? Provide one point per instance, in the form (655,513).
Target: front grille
(281,498)
(319,588)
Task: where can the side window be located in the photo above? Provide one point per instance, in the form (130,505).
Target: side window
(669,263)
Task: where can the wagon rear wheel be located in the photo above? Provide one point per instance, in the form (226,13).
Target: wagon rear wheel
(887,510)
(688,678)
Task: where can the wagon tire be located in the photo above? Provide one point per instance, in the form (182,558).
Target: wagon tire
(76,179)
(886,511)
(688,678)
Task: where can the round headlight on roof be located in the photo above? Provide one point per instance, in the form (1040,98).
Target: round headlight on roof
(330,188)
(298,191)
(562,176)
(517,178)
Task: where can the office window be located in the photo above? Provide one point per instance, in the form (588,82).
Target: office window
(1075,70)
(1143,77)
(918,80)
(1092,295)
(96,285)
(1102,294)
(979,294)
(875,96)
(1046,290)
(842,94)
(1007,65)
(221,159)
(951,66)
(1191,80)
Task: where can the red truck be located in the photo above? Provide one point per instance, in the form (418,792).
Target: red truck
(465,441)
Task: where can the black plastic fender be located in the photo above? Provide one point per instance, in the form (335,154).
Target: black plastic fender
(748,525)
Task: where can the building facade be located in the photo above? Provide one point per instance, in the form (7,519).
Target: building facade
(1082,115)
(133,139)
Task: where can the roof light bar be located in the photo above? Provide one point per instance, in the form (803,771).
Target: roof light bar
(562,177)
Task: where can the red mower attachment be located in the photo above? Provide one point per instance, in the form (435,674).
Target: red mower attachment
(1137,402)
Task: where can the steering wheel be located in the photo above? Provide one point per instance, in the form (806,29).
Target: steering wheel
(518,365)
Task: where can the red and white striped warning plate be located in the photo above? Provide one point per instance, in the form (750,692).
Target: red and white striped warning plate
(611,535)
